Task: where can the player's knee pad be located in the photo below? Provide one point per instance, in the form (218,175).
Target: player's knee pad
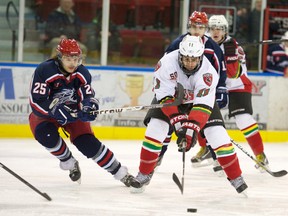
(88,145)
(46,133)
(216,136)
(244,120)
(157,129)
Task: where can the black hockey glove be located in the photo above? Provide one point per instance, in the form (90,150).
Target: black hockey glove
(230,51)
(88,105)
(222,96)
(187,136)
(62,113)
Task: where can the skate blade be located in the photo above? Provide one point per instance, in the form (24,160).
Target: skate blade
(79,181)
(137,190)
(203,163)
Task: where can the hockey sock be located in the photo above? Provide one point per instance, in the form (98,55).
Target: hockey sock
(228,159)
(61,151)
(149,155)
(253,138)
(106,159)
(91,147)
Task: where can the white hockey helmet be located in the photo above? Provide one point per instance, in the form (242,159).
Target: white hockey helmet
(190,46)
(218,21)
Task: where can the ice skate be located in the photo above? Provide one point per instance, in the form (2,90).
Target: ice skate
(139,183)
(263,160)
(218,169)
(73,166)
(202,158)
(240,185)
(123,176)
(127,179)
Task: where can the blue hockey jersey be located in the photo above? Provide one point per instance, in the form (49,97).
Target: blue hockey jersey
(277,59)
(48,83)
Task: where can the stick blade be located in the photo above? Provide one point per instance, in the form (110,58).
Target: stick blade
(278,174)
(177,182)
(46,196)
(272,173)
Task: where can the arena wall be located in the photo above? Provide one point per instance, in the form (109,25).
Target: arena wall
(118,87)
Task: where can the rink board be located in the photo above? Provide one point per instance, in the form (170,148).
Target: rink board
(128,87)
(130,133)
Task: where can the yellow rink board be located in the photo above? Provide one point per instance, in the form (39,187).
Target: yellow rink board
(128,133)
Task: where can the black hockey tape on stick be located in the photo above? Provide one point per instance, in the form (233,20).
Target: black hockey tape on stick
(263,42)
(45,195)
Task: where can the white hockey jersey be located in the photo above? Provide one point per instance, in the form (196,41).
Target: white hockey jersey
(200,88)
(242,83)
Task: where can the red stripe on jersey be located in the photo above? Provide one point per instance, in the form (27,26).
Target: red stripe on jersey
(37,107)
(81,77)
(55,77)
(215,62)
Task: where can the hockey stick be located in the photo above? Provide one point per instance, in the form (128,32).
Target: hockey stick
(175,177)
(135,108)
(178,100)
(45,195)
(125,109)
(275,174)
(262,42)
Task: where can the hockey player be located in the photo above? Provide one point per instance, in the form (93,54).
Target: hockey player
(240,96)
(277,58)
(61,96)
(189,67)
(197,26)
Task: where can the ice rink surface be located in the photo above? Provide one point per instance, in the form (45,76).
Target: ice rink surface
(100,194)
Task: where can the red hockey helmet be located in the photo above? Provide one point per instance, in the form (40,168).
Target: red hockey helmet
(69,47)
(199,18)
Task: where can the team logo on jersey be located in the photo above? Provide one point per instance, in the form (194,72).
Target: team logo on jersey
(66,96)
(157,66)
(207,77)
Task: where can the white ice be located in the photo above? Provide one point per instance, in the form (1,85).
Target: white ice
(100,194)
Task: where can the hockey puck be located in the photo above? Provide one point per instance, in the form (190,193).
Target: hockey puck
(192,210)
